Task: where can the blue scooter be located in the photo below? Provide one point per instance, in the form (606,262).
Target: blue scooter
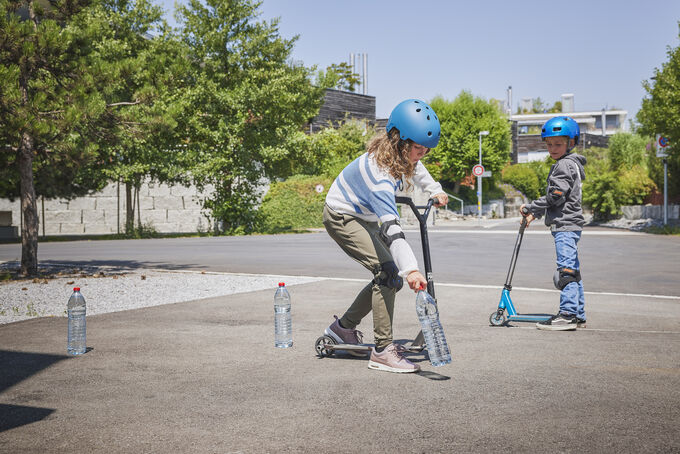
(498,318)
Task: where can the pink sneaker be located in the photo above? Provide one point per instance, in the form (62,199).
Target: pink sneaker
(345,336)
(392,360)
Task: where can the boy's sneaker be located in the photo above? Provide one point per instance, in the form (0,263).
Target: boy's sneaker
(391,359)
(580,323)
(559,322)
(345,336)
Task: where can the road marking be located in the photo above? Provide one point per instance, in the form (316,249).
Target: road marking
(603,330)
(531,232)
(443,284)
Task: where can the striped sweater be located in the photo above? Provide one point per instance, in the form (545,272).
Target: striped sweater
(366,191)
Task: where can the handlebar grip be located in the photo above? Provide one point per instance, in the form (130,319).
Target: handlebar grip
(525,211)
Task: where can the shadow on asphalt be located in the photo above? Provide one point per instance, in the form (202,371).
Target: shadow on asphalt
(92,266)
(12,416)
(16,367)
(433,375)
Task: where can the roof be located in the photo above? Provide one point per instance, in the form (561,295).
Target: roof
(579,117)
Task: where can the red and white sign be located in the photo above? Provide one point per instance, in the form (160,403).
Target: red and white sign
(478,170)
(662,146)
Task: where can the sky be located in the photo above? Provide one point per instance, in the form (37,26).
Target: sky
(599,50)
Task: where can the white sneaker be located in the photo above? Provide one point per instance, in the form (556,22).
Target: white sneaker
(392,360)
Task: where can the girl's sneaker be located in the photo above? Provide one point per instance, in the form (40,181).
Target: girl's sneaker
(559,322)
(391,360)
(345,336)
(580,323)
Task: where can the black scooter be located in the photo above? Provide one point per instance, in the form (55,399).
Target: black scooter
(327,346)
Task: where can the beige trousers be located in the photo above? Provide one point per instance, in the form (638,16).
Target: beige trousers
(360,240)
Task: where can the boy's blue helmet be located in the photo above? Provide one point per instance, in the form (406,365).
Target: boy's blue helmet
(561,126)
(415,120)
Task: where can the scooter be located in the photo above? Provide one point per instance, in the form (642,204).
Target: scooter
(326,346)
(498,318)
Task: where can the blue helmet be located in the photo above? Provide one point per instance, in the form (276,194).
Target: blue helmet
(415,120)
(561,126)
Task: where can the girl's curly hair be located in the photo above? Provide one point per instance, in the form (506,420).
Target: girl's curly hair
(391,154)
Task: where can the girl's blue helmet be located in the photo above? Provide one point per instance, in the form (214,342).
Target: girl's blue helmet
(561,126)
(415,120)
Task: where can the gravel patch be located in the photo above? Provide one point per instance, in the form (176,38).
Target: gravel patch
(114,290)
(635,225)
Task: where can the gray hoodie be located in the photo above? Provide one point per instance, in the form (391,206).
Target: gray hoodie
(562,201)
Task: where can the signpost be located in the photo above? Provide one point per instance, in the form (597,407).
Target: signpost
(478,171)
(662,149)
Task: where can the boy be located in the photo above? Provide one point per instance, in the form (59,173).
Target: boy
(564,216)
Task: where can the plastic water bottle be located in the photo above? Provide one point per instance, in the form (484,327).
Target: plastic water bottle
(283,323)
(435,341)
(76,323)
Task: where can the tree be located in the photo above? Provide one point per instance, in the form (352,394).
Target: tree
(48,105)
(146,64)
(246,103)
(338,76)
(660,112)
(458,151)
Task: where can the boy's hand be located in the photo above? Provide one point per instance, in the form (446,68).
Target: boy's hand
(442,199)
(416,280)
(529,217)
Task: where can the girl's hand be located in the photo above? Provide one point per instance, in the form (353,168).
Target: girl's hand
(442,199)
(529,217)
(416,280)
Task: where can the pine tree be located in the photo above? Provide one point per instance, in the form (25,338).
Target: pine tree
(47,101)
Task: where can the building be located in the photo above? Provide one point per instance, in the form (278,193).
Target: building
(596,127)
(340,106)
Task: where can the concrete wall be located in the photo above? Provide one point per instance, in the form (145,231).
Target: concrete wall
(167,209)
(650,211)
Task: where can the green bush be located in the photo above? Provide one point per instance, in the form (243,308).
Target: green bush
(523,178)
(600,194)
(605,192)
(293,204)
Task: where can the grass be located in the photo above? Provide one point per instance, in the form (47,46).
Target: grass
(664,230)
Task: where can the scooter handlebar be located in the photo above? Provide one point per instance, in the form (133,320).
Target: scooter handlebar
(524,211)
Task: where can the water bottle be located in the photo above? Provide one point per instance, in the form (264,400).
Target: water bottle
(283,323)
(435,341)
(76,323)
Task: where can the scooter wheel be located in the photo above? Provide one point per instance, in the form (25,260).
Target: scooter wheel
(321,346)
(497,318)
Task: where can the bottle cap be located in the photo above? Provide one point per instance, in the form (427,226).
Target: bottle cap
(282,284)
(76,289)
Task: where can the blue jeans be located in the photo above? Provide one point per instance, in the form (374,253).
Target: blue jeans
(572,300)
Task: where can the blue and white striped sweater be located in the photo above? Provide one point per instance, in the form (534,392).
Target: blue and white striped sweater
(366,191)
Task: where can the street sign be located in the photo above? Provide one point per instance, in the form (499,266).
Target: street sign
(662,146)
(486,174)
(478,170)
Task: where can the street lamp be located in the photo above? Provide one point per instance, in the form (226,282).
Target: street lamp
(479,178)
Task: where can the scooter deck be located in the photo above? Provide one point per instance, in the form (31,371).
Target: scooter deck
(326,346)
(368,347)
(529,317)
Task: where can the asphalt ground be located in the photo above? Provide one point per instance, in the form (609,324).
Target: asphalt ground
(204,376)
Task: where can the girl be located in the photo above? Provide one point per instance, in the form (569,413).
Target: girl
(361,216)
